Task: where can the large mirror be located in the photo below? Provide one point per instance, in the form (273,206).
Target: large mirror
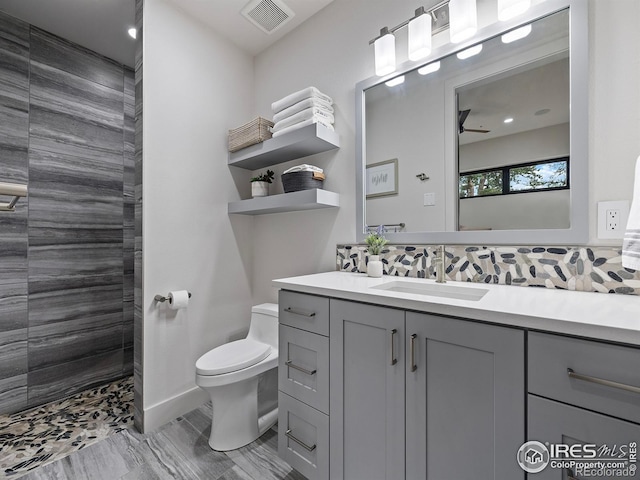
(487,148)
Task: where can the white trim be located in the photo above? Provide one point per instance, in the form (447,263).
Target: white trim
(163,412)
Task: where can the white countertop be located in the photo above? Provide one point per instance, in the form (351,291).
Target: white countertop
(601,316)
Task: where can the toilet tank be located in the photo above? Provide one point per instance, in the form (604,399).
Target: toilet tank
(264,324)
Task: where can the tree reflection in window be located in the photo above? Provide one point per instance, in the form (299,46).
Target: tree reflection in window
(534,176)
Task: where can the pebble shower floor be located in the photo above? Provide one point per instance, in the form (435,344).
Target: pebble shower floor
(47,433)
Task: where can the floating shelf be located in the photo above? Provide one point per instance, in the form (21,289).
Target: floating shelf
(297,144)
(286,202)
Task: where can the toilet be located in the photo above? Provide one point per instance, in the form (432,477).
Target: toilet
(229,373)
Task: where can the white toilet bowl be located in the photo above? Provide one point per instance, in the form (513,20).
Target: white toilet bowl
(229,373)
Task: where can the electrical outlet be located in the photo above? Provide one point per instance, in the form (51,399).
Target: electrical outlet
(612,219)
(429,199)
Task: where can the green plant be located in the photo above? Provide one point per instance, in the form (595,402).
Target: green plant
(265,177)
(376,241)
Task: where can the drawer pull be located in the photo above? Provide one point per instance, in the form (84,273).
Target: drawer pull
(602,381)
(298,312)
(290,364)
(300,442)
(394,360)
(414,367)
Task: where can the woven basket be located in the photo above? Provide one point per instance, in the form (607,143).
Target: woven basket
(296,181)
(256,131)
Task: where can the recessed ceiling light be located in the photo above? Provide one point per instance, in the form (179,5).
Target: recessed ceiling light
(133,33)
(469,52)
(544,111)
(508,120)
(395,81)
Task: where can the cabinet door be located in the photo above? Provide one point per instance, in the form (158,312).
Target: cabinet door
(465,399)
(555,422)
(366,421)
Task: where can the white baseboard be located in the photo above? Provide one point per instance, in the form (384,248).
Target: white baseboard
(163,412)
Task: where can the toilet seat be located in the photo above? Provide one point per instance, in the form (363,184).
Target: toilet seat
(232,357)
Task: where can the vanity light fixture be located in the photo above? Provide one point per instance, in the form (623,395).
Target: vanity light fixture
(469,52)
(385,52)
(419,29)
(429,68)
(508,120)
(463,20)
(133,33)
(517,34)
(395,81)
(512,8)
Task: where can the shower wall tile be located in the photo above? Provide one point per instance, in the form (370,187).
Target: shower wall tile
(14,141)
(13,394)
(71,58)
(13,352)
(13,307)
(60,381)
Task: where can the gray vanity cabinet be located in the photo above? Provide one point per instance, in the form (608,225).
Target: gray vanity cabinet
(465,388)
(367,417)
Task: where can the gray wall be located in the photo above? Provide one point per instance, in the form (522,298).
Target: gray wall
(66,255)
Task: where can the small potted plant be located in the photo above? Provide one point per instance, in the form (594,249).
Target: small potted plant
(375,242)
(260,184)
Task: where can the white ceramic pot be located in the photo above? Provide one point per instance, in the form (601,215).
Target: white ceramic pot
(259,189)
(374,266)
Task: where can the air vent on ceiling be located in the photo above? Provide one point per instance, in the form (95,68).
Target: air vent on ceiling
(267,15)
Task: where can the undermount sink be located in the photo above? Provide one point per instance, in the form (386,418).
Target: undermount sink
(434,290)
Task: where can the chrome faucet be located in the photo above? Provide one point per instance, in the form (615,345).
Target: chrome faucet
(439,265)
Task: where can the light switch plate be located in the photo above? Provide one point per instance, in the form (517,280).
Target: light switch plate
(612,219)
(429,199)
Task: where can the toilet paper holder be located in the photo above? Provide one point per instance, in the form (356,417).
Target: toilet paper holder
(162,298)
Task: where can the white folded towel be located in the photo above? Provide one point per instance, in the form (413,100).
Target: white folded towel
(303,124)
(303,105)
(631,243)
(303,168)
(309,92)
(303,115)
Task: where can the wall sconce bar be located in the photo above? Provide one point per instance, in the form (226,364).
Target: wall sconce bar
(439,13)
(15,190)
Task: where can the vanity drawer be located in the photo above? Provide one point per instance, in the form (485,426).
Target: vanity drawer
(303,369)
(307,312)
(303,437)
(550,357)
(555,422)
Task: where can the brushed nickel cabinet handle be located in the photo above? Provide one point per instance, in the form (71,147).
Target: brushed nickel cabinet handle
(298,312)
(602,381)
(290,364)
(300,442)
(394,360)
(414,367)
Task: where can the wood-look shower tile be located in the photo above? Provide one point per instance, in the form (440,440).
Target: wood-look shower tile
(69,57)
(13,352)
(59,381)
(73,263)
(127,361)
(14,246)
(64,93)
(56,132)
(13,394)
(13,306)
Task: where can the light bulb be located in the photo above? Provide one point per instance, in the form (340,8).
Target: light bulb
(133,33)
(385,53)
(463,20)
(419,36)
(469,52)
(516,34)
(430,68)
(395,81)
(512,8)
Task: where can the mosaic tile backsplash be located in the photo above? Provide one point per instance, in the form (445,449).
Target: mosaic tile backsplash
(590,269)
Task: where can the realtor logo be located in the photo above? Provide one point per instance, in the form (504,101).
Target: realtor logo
(533,457)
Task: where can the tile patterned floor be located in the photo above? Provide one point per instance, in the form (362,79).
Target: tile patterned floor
(44,434)
(178,450)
